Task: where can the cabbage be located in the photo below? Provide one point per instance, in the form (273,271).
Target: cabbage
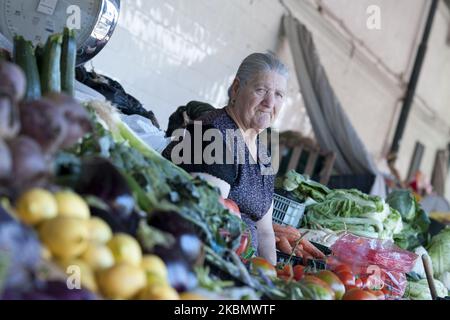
(439,251)
(419,269)
(404,202)
(415,221)
(356,212)
(445,279)
(420,290)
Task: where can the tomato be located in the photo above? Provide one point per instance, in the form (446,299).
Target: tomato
(333,281)
(285,278)
(348,288)
(285,271)
(258,264)
(359,284)
(299,272)
(342,268)
(358,294)
(347,278)
(230,205)
(243,245)
(317,288)
(333,262)
(377,293)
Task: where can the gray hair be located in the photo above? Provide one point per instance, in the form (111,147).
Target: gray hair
(256,63)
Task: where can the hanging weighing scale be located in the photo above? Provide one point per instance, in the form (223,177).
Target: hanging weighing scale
(93,20)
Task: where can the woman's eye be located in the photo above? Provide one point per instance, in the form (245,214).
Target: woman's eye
(280,95)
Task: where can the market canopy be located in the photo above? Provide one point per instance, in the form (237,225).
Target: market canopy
(332,127)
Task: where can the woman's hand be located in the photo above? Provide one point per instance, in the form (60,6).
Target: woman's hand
(266,238)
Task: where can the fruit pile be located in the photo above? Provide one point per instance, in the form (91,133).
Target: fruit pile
(110,265)
(339,283)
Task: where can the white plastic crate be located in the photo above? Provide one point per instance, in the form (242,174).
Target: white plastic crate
(286,211)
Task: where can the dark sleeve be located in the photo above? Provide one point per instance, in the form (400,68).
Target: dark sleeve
(193,154)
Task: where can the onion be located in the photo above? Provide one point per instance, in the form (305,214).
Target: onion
(5,161)
(44,121)
(9,119)
(12,81)
(77,118)
(29,163)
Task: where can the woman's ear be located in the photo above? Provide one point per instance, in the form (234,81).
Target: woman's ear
(235,88)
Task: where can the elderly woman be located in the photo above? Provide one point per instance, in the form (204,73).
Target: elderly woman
(241,170)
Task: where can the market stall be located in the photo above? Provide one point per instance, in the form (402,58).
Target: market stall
(89,210)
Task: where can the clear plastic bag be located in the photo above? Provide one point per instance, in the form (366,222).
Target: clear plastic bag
(364,251)
(380,264)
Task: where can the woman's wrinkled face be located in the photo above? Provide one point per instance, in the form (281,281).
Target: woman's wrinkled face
(258,102)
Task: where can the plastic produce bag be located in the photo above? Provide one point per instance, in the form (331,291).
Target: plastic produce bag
(149,133)
(380,261)
(383,253)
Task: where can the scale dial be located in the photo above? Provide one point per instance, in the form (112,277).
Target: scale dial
(35,20)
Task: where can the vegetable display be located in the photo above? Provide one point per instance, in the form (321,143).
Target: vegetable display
(439,251)
(82,194)
(343,210)
(415,221)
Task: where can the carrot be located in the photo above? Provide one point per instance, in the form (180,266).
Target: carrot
(291,237)
(311,249)
(299,252)
(287,230)
(307,256)
(293,231)
(284,246)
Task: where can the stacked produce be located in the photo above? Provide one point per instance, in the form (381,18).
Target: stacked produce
(109,264)
(38,122)
(290,241)
(439,251)
(82,194)
(415,221)
(138,194)
(33,128)
(343,210)
(333,217)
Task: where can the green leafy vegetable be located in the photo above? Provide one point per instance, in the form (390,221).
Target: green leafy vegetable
(415,221)
(420,290)
(156,183)
(302,187)
(439,252)
(355,212)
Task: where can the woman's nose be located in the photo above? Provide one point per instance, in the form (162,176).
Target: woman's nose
(269,99)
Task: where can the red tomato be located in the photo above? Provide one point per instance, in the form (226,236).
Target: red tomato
(333,281)
(342,268)
(333,262)
(285,278)
(377,293)
(243,245)
(286,271)
(258,264)
(232,206)
(347,278)
(299,272)
(348,288)
(359,283)
(358,294)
